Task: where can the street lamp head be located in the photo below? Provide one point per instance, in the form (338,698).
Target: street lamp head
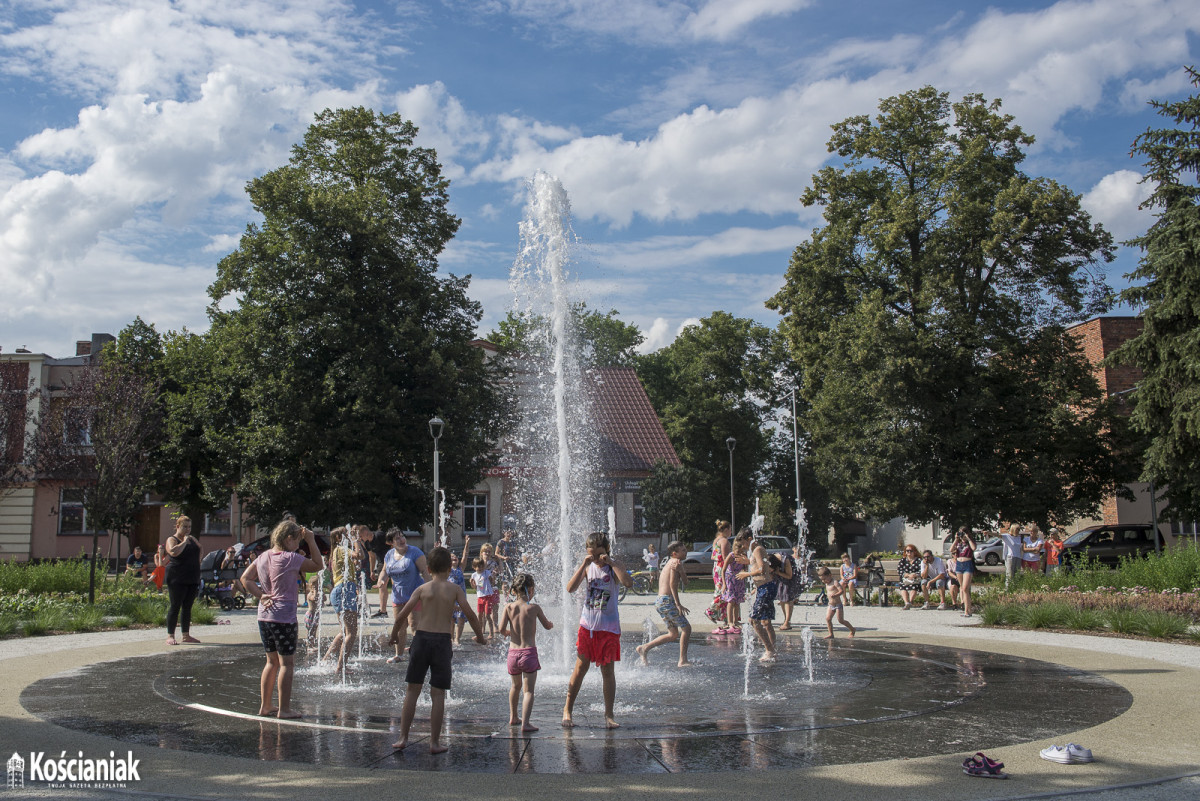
(730,443)
(435,427)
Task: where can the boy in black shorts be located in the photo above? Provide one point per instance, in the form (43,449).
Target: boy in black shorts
(430,652)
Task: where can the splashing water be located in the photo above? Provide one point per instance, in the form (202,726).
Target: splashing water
(806,635)
(756,522)
(747,656)
(444,536)
(649,629)
(552,463)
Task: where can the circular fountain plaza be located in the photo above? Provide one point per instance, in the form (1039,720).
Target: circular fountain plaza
(868,699)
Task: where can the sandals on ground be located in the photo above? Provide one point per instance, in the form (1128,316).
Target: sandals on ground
(983,767)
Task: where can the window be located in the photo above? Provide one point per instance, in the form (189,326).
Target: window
(639,516)
(72,517)
(600,505)
(217,522)
(475,514)
(77,426)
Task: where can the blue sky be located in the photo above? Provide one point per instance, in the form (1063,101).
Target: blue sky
(683,130)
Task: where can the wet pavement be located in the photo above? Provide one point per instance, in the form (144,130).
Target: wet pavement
(871,700)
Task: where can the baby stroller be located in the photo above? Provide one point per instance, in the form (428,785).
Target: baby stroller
(217,587)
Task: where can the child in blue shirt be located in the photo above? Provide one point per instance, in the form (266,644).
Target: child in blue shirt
(457,577)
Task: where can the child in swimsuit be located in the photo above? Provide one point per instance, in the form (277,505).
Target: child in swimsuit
(834,590)
(519,623)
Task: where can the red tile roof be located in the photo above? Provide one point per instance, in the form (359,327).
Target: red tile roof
(632,438)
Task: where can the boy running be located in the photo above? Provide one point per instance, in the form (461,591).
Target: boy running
(670,608)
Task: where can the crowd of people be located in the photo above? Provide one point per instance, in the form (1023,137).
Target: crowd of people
(428,593)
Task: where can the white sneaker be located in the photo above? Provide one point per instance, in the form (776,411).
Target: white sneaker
(1056,753)
(926,607)
(1078,753)
(941,607)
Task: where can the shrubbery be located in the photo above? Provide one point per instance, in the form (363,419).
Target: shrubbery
(50,597)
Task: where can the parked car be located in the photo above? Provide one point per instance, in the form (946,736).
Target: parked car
(1109,543)
(991,552)
(700,562)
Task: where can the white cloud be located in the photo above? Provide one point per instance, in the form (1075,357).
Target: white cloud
(722,19)
(658,335)
(679,251)
(193,99)
(445,125)
(759,154)
(1114,202)
(657,22)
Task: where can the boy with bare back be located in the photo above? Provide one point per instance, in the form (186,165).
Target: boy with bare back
(519,624)
(432,605)
(670,608)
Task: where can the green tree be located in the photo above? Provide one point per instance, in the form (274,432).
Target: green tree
(607,341)
(189,469)
(1167,399)
(711,383)
(928,319)
(110,422)
(670,499)
(343,340)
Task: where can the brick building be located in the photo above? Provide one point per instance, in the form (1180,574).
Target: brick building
(45,519)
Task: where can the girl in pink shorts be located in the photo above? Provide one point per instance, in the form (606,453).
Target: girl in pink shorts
(519,624)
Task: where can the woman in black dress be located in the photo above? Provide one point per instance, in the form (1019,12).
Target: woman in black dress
(183,578)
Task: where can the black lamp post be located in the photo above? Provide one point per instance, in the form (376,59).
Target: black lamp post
(731,443)
(435,431)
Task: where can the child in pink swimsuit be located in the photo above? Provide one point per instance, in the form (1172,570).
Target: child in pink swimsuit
(519,624)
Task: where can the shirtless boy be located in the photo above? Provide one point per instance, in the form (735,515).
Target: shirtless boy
(432,606)
(670,608)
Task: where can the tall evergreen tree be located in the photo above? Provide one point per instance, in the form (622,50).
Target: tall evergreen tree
(339,338)
(1167,399)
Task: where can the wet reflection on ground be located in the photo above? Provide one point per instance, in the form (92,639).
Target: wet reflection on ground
(871,700)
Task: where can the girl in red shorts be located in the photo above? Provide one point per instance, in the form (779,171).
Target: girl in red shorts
(486,596)
(599,638)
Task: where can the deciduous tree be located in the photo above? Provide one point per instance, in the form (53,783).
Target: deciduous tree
(340,340)
(927,316)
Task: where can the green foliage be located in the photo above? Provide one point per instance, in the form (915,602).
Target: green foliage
(45,621)
(1167,398)
(607,341)
(927,319)
(1163,625)
(995,614)
(345,341)
(8,625)
(1081,619)
(88,618)
(186,464)
(63,575)
(1043,616)
(1123,621)
(203,615)
(712,383)
(669,502)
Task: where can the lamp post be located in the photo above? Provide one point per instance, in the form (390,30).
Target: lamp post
(796,447)
(731,443)
(435,431)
